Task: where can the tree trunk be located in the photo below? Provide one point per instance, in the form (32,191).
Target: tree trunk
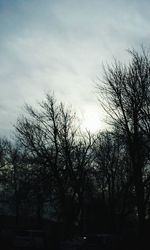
(137,162)
(139,189)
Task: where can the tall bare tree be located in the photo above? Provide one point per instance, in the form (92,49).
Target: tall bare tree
(52,136)
(125,96)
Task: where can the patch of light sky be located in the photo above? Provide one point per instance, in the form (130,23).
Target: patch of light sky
(59,46)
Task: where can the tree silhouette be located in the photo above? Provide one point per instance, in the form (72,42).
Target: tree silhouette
(113,178)
(54,142)
(125,95)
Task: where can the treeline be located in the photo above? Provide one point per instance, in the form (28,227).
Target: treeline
(88,183)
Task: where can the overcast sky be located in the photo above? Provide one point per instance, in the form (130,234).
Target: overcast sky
(60,45)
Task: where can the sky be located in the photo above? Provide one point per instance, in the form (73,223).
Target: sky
(59,46)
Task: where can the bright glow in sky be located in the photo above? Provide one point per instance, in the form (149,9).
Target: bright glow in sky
(59,46)
(91,122)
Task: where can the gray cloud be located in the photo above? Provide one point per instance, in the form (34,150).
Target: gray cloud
(59,46)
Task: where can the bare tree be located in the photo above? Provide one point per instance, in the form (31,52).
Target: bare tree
(4,144)
(112,174)
(54,141)
(124,95)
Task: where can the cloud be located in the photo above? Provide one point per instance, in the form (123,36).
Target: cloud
(59,46)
